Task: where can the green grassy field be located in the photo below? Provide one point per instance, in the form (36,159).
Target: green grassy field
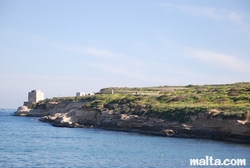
(173,103)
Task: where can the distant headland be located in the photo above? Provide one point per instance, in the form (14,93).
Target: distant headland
(220,112)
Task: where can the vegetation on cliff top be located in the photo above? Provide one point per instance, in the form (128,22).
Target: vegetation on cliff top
(171,102)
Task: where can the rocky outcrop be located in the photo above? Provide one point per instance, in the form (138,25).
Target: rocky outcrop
(49,108)
(25,111)
(203,125)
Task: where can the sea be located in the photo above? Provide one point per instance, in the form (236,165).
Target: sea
(26,142)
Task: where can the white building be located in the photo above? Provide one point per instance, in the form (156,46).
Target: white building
(35,96)
(80,94)
(83,94)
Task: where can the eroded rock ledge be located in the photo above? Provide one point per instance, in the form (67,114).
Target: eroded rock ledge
(203,125)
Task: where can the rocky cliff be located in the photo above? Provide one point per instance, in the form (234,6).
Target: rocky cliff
(208,125)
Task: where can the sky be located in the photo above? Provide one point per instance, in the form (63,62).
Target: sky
(62,47)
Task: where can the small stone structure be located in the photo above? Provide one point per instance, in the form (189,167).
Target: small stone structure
(80,94)
(83,94)
(34,96)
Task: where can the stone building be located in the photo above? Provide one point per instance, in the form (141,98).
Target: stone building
(35,96)
(80,94)
(83,94)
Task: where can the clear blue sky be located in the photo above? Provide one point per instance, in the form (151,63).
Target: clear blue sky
(62,46)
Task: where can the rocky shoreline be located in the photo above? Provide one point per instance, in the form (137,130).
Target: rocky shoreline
(207,125)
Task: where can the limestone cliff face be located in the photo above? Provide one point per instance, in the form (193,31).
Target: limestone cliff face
(25,111)
(49,108)
(203,125)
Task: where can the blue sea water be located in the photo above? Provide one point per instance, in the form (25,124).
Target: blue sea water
(26,142)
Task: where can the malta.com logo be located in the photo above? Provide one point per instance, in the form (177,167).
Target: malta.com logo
(209,161)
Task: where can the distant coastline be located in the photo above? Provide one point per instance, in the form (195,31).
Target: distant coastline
(219,112)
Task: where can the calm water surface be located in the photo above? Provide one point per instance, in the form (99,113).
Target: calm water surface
(26,142)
